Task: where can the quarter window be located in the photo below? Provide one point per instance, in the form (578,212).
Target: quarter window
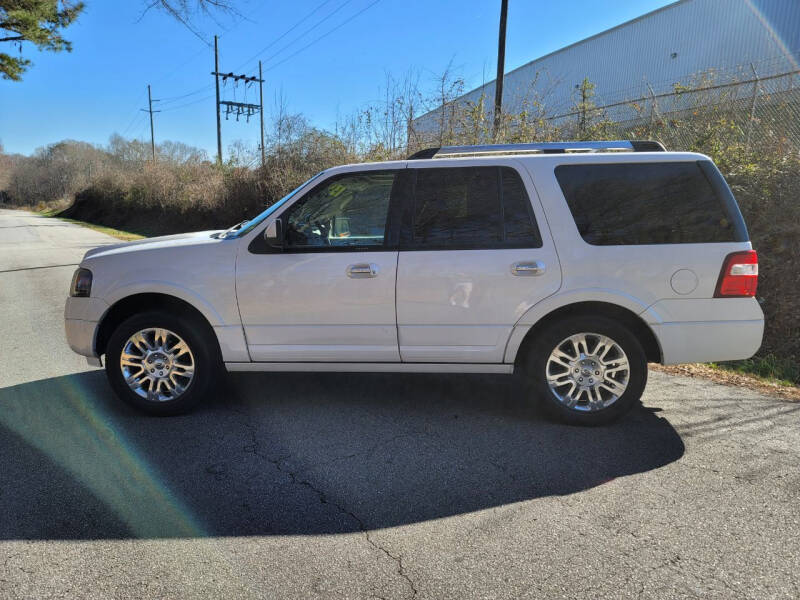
(470,208)
(647,203)
(346,211)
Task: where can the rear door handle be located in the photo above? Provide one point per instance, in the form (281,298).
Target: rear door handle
(362,271)
(528,269)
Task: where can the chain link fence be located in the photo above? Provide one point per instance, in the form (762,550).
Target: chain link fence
(748,123)
(757,109)
(759,103)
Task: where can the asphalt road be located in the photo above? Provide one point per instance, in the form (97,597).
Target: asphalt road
(384,486)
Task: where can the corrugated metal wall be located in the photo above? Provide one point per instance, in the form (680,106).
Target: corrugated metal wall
(651,53)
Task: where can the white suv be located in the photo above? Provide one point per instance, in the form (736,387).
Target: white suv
(572,264)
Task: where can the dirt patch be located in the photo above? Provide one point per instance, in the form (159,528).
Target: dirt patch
(789,392)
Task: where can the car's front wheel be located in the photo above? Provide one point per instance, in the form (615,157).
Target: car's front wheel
(587,370)
(161,363)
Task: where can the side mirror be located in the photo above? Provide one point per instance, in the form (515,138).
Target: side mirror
(273,234)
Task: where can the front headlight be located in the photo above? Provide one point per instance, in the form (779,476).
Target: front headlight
(81,285)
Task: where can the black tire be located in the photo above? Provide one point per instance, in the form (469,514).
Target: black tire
(201,342)
(546,341)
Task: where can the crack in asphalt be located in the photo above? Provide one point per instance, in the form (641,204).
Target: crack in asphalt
(295,480)
(365,454)
(13,583)
(675,562)
(42,267)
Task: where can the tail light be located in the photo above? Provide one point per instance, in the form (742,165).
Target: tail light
(739,276)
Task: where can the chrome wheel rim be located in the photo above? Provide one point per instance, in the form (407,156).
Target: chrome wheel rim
(157,364)
(587,372)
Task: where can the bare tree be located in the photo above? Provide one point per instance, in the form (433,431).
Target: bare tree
(185,11)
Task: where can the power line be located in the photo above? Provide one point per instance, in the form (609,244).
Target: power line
(233,107)
(171,73)
(136,108)
(194,92)
(323,36)
(135,117)
(202,89)
(183,64)
(187,103)
(176,69)
(292,28)
(171,99)
(140,135)
(309,30)
(208,44)
(342,24)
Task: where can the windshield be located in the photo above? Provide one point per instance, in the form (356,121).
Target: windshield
(248,226)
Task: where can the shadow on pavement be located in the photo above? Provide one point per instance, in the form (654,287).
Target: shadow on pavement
(295,454)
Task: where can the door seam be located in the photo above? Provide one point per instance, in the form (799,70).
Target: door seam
(238,307)
(396,321)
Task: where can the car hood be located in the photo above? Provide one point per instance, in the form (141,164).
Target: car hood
(155,243)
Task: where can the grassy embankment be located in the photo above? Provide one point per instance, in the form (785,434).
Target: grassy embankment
(125,236)
(769,368)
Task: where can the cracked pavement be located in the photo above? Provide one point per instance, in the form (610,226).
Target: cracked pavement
(371,486)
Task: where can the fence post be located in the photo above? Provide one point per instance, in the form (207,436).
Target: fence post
(654,107)
(752,105)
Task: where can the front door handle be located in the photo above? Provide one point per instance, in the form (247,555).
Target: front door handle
(528,269)
(362,270)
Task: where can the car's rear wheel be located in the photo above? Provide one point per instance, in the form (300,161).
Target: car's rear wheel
(161,363)
(587,370)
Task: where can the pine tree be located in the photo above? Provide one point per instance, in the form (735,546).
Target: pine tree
(36,21)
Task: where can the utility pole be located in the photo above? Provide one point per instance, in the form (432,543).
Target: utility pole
(261,113)
(150,110)
(232,107)
(501,62)
(216,81)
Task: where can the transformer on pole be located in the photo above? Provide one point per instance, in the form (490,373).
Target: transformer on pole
(234,108)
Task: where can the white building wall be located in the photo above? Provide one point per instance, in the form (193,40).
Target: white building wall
(655,51)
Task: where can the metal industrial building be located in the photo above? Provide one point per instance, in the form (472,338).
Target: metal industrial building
(745,41)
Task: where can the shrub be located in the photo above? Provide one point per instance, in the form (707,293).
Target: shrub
(758,152)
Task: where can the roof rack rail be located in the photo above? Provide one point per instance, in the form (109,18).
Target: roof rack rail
(540,148)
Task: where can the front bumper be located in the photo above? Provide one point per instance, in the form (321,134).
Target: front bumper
(81,319)
(81,335)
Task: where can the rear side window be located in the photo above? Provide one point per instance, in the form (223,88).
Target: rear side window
(650,203)
(470,208)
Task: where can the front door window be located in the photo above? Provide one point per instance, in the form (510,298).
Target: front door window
(343,212)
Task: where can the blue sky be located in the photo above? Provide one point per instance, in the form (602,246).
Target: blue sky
(98,88)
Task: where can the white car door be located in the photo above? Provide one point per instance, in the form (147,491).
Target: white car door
(475,255)
(329,293)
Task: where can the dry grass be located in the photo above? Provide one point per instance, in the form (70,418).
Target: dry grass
(125,236)
(722,376)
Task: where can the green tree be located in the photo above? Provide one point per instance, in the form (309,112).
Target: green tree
(36,21)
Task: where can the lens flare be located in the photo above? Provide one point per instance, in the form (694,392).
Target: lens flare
(776,38)
(65,418)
